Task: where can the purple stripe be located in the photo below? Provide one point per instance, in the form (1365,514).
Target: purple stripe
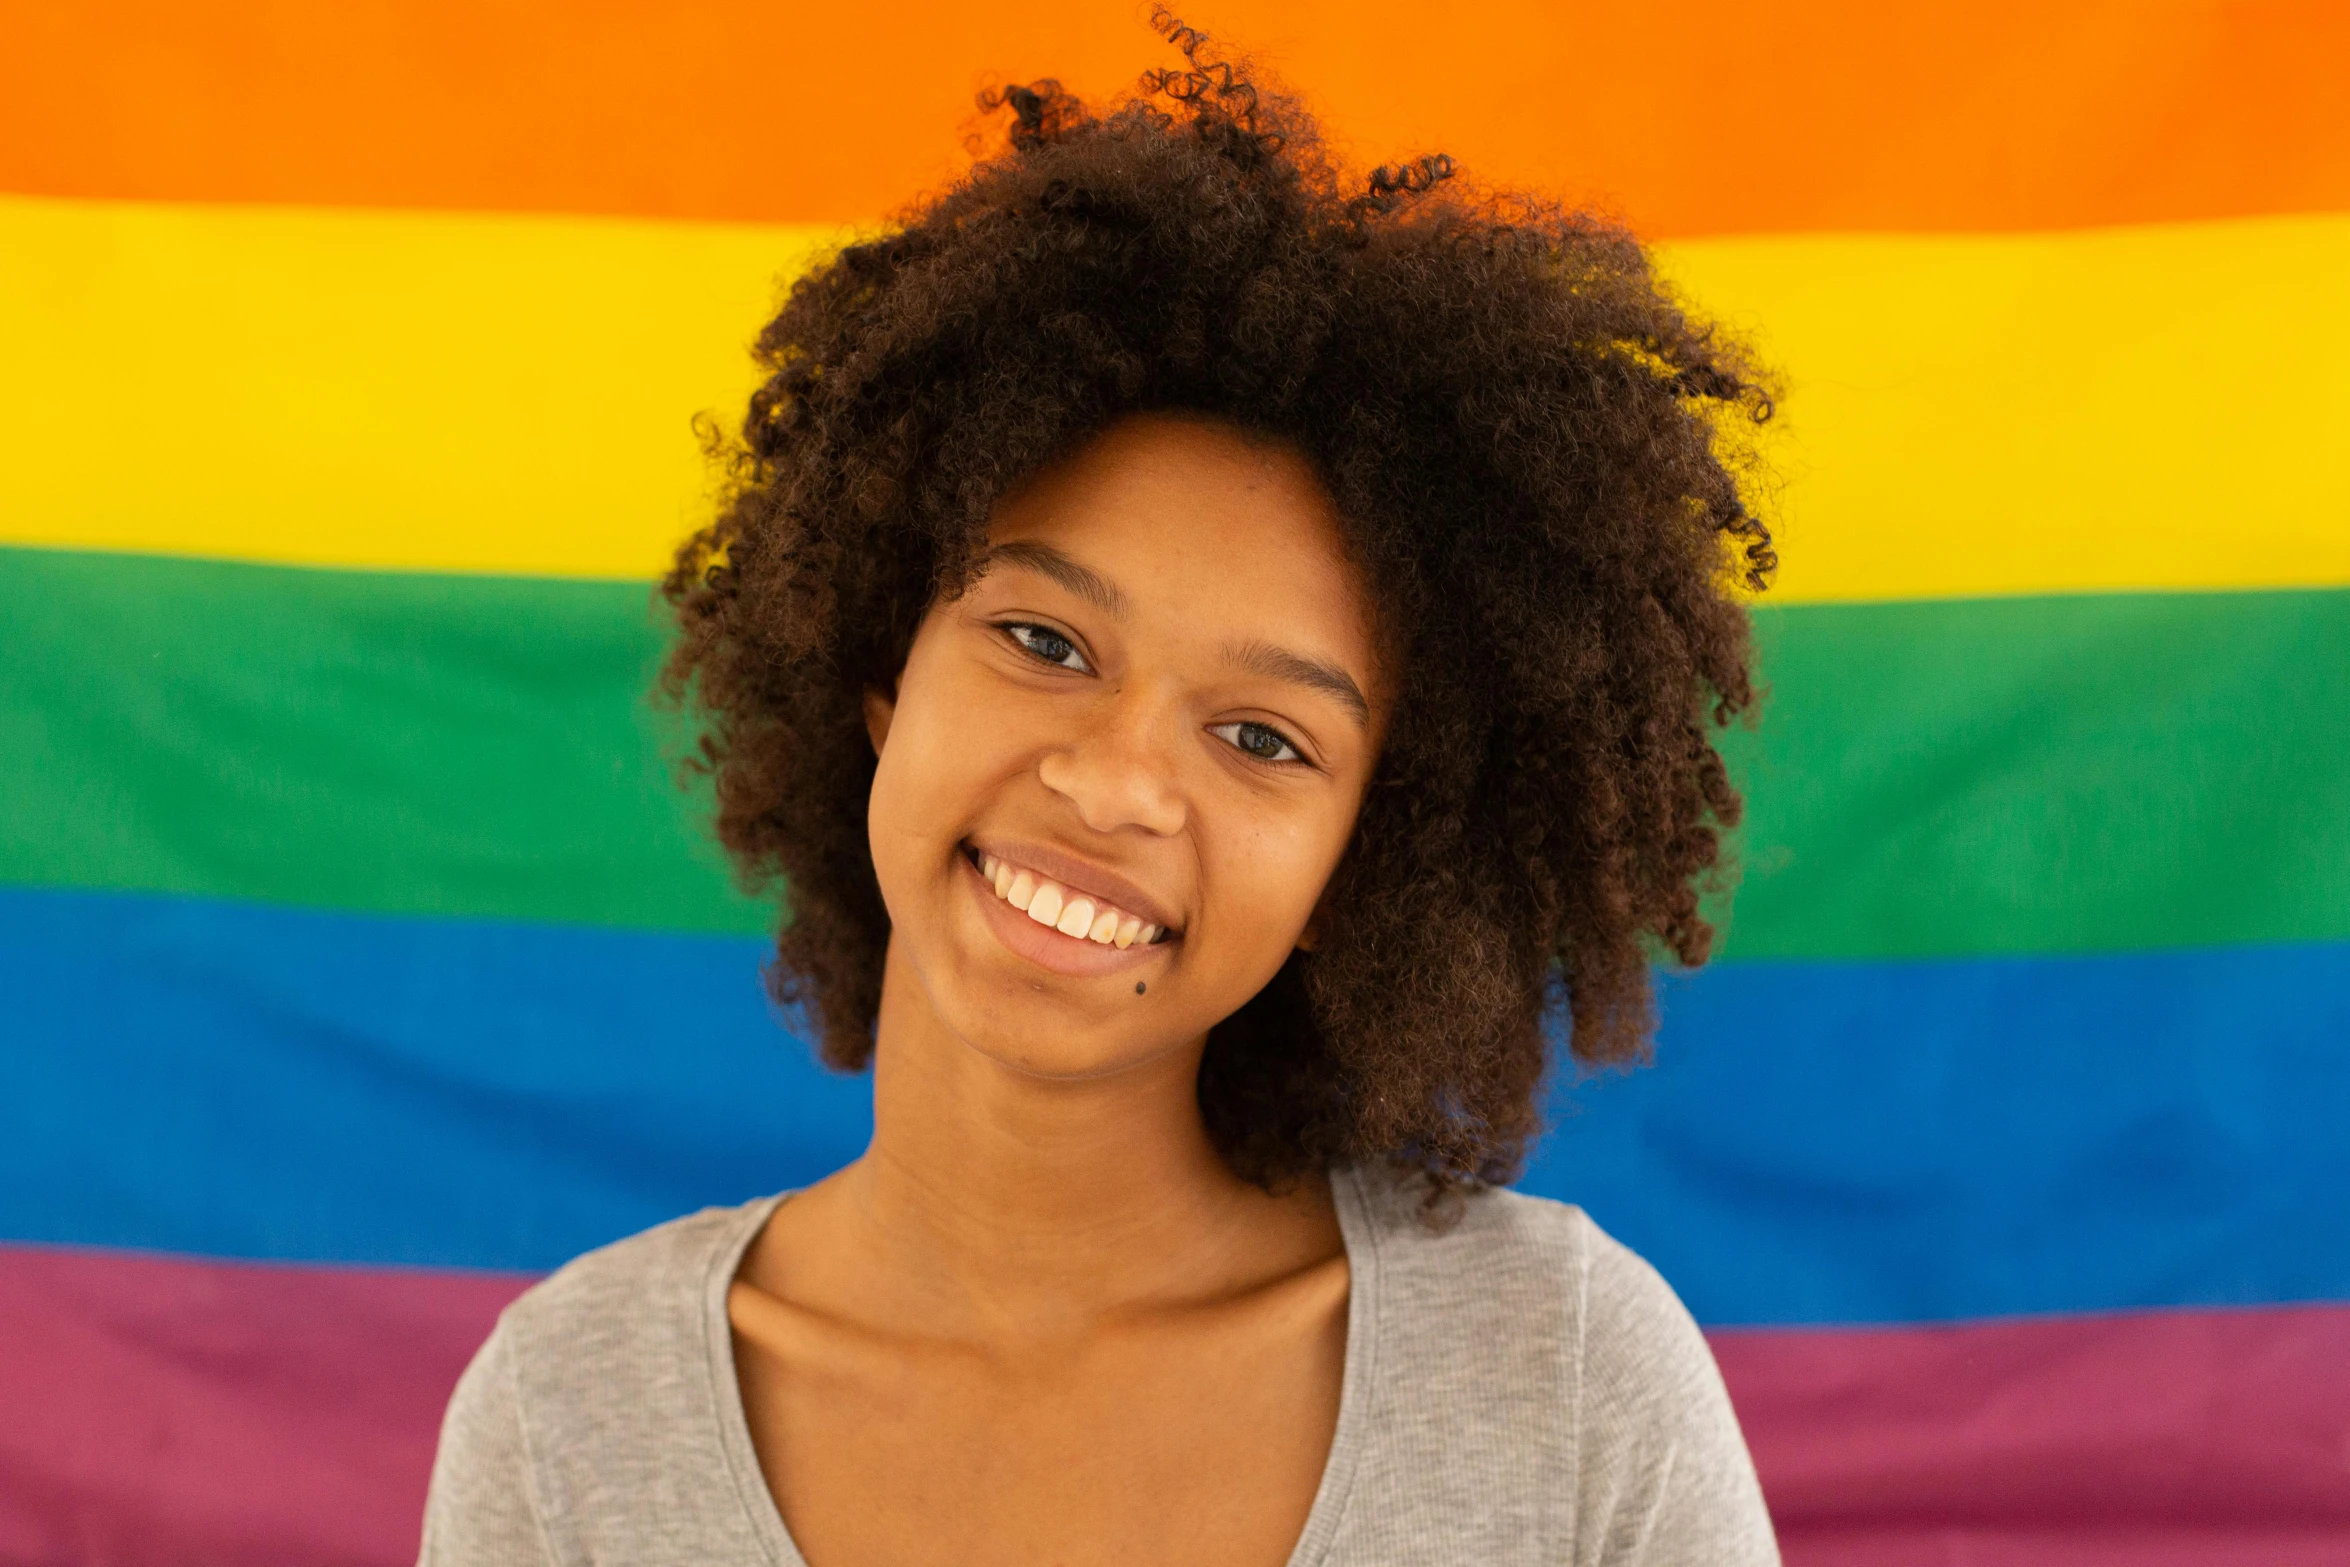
(160,1409)
(2144,1437)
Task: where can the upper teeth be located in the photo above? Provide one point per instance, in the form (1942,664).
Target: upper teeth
(1072,914)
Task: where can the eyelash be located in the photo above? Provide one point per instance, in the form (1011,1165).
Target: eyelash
(1295,758)
(1014,630)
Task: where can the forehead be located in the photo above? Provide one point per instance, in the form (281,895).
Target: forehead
(1193,518)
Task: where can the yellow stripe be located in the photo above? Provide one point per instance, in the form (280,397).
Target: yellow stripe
(371,389)
(2138,408)
(2110,409)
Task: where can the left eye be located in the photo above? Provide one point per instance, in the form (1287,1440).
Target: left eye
(1048,644)
(1261,741)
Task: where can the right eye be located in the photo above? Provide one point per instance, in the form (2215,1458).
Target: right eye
(1049,645)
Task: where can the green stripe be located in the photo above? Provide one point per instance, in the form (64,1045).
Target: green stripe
(2017,775)
(419,744)
(2072,774)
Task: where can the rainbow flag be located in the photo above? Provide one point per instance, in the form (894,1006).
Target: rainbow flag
(360,960)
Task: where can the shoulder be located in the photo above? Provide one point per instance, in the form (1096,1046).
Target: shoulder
(620,1293)
(1541,1266)
(596,1396)
(623,1339)
(1522,1346)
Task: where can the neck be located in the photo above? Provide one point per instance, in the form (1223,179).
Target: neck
(1024,1198)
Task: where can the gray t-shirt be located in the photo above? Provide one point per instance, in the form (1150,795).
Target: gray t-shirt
(1518,1389)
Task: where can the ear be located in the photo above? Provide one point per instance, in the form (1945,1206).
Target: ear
(1310,939)
(880,708)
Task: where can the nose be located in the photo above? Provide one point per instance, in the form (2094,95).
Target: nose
(1117,772)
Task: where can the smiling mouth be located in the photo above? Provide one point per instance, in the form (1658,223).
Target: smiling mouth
(1076,914)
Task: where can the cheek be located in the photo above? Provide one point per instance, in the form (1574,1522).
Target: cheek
(1268,879)
(938,768)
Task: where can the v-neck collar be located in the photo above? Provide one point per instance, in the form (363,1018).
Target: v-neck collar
(1356,1229)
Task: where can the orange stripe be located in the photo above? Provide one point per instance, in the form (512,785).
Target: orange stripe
(1709,116)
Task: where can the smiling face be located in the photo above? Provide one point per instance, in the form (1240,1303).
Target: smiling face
(1118,771)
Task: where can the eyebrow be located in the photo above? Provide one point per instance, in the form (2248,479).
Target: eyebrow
(1278,663)
(1082,580)
(1261,658)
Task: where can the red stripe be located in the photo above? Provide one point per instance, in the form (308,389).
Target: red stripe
(1707,116)
(157,1409)
(2153,1437)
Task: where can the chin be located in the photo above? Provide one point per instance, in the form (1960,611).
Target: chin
(1066,1063)
(1046,1026)
(1031,1001)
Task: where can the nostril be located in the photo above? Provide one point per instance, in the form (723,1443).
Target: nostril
(1113,791)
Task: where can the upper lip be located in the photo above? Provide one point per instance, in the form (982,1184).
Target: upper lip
(1103,886)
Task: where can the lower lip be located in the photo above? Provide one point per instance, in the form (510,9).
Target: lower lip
(1046,947)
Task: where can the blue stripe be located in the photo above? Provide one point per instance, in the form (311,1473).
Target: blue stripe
(246,1081)
(1922,1141)
(1820,1142)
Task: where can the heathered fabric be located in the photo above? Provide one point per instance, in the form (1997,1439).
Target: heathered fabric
(1519,1389)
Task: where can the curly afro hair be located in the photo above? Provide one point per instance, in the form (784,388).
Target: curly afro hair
(1528,444)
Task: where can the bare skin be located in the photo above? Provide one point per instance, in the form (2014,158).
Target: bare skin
(1039,1321)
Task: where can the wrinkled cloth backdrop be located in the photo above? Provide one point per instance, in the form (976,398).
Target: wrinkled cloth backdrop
(358,959)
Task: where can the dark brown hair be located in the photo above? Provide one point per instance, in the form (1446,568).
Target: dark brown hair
(1524,437)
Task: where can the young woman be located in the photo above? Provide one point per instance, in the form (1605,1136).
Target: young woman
(1222,659)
